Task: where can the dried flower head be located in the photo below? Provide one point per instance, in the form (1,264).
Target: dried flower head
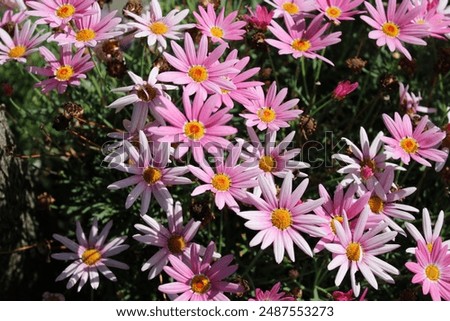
(308,125)
(116,68)
(110,50)
(44,201)
(162,64)
(133,6)
(204,3)
(73,109)
(259,40)
(356,64)
(389,83)
(201,211)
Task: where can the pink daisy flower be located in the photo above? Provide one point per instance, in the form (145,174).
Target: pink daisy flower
(200,279)
(11,18)
(291,7)
(366,164)
(63,72)
(386,201)
(243,93)
(358,250)
(432,270)
(302,40)
(144,95)
(157,28)
(272,159)
(149,173)
(430,234)
(260,19)
(198,129)
(437,23)
(21,44)
(219,28)
(396,26)
(269,112)
(90,29)
(339,10)
(273,294)
(58,13)
(228,182)
(418,144)
(90,256)
(280,220)
(411,103)
(343,204)
(200,71)
(175,240)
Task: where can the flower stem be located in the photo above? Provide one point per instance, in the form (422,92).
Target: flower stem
(252,263)
(305,83)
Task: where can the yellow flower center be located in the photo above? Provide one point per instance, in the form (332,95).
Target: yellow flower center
(376,204)
(301,44)
(146,92)
(267,163)
(91,256)
(198,73)
(194,130)
(420,21)
(221,182)
(390,29)
(158,28)
(216,32)
(176,244)
(65,11)
(266,114)
(85,35)
(290,8)
(432,272)
(281,218)
(17,52)
(409,145)
(338,218)
(64,73)
(354,251)
(151,175)
(333,12)
(200,283)
(430,247)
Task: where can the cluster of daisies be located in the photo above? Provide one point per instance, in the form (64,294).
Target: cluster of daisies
(356,224)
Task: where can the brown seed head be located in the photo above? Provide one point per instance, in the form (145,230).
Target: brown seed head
(73,110)
(204,3)
(356,64)
(134,6)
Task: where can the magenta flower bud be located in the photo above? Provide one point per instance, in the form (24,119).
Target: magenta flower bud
(343,89)
(260,19)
